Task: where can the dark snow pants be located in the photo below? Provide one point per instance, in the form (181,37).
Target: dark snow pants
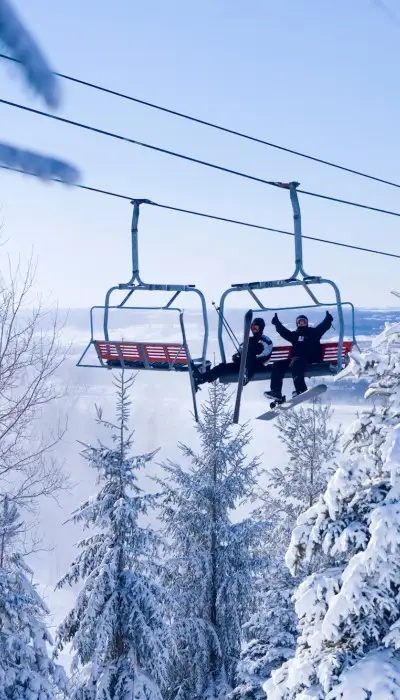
(231,368)
(297,365)
(219,370)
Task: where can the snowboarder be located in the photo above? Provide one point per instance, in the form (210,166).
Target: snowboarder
(258,354)
(306,350)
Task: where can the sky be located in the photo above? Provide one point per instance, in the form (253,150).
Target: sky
(319,77)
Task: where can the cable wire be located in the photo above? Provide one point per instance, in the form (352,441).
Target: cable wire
(204,215)
(182,156)
(218,127)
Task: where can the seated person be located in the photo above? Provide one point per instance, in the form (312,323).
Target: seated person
(306,350)
(258,354)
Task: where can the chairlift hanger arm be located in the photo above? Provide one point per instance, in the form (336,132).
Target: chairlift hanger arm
(135,238)
(298,236)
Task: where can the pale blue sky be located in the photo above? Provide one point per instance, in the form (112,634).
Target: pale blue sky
(321,77)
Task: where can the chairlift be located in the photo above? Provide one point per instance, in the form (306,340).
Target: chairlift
(335,355)
(112,353)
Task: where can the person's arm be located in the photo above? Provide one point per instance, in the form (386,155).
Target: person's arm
(324,325)
(284,332)
(265,345)
(237,354)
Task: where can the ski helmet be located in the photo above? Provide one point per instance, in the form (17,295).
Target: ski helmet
(301,317)
(258,322)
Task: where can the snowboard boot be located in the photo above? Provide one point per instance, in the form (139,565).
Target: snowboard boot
(198,376)
(297,393)
(274,395)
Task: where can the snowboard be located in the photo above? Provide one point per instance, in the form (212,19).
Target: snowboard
(243,362)
(277,407)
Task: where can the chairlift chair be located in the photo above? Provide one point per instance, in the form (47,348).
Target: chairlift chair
(111,353)
(335,355)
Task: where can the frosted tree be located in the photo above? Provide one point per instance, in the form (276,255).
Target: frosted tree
(211,565)
(27,671)
(31,354)
(26,54)
(271,632)
(349,610)
(311,444)
(116,628)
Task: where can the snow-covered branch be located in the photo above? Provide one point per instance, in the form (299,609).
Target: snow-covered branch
(349,610)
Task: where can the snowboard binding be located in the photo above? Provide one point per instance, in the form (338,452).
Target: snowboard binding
(277,402)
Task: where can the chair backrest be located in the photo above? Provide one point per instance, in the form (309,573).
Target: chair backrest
(329,351)
(147,353)
(173,353)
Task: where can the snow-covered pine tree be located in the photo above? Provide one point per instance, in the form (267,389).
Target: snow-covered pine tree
(311,444)
(26,670)
(349,610)
(271,632)
(116,627)
(210,567)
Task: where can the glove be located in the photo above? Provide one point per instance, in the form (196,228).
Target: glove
(275,320)
(328,315)
(236,357)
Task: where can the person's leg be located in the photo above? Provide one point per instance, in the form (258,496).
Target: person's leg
(277,375)
(252,366)
(298,366)
(211,375)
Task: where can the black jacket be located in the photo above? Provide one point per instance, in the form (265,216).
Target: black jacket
(259,350)
(305,340)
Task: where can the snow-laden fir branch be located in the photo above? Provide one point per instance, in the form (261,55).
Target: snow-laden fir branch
(349,610)
(27,671)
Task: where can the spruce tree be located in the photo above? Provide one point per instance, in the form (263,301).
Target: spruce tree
(116,627)
(349,610)
(27,671)
(271,632)
(211,564)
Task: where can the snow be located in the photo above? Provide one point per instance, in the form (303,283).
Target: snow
(375,677)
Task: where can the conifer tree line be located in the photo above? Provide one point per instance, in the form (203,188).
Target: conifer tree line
(297,600)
